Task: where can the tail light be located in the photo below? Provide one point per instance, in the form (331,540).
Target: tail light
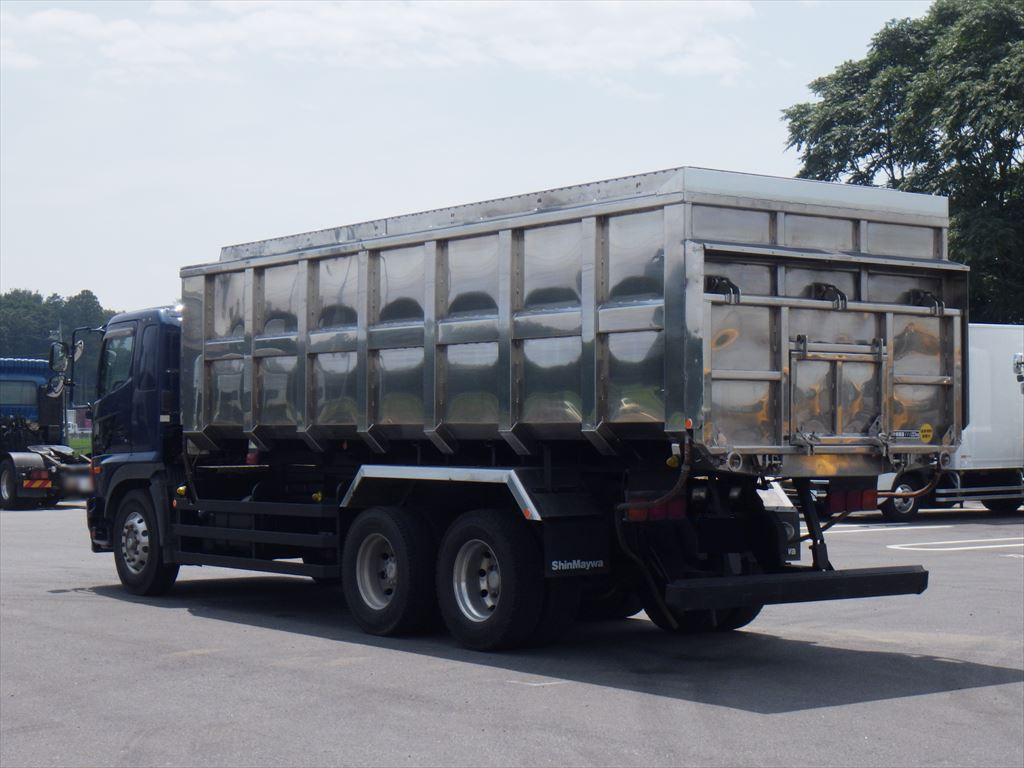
(673,509)
(851,499)
(39,474)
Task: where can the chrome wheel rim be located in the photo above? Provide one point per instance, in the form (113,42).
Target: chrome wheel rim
(135,542)
(903,506)
(5,485)
(376,571)
(476,579)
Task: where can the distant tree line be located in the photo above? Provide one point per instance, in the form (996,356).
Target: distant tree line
(936,106)
(29,322)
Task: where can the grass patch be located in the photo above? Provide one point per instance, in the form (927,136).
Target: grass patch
(80,444)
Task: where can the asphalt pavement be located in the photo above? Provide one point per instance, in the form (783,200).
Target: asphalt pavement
(233,668)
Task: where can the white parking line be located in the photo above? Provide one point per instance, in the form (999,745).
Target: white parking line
(939,546)
(891,528)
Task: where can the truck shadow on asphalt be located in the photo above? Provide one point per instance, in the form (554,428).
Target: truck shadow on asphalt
(748,670)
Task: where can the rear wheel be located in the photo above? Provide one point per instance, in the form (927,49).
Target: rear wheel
(611,604)
(137,554)
(734,618)
(695,622)
(686,622)
(1002,506)
(387,572)
(902,510)
(491,587)
(8,485)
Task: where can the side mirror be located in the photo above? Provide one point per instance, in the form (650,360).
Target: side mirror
(55,386)
(58,357)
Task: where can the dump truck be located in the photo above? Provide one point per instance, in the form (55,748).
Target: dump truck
(512,413)
(989,464)
(36,468)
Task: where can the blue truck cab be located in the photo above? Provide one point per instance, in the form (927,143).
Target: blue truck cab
(136,438)
(36,468)
(20,382)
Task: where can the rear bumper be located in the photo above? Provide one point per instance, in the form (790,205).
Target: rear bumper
(797,585)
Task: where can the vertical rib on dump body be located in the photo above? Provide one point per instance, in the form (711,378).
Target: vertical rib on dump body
(802,326)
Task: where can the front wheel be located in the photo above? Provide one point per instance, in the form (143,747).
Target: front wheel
(137,554)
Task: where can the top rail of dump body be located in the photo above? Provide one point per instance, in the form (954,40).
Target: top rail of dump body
(686,184)
(786,320)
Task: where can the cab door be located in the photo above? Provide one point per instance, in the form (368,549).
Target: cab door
(112,410)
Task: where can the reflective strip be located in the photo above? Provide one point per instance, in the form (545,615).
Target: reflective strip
(37,484)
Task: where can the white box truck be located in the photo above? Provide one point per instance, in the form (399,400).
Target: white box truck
(989,465)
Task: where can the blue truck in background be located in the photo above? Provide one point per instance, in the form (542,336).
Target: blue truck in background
(36,467)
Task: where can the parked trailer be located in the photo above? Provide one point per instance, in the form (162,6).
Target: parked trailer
(499,410)
(989,464)
(36,468)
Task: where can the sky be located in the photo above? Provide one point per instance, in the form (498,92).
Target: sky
(136,137)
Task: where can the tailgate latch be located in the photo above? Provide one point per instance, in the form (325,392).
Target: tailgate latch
(723,285)
(922,298)
(829,292)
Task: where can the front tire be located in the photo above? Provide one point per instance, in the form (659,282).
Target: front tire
(137,547)
(387,572)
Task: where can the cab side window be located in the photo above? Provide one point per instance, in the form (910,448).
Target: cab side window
(116,360)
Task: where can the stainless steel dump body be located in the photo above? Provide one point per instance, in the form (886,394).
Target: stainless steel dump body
(815,328)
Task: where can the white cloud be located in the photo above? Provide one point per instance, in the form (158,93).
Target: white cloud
(188,40)
(12,58)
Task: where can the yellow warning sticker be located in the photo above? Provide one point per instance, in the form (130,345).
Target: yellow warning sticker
(926,433)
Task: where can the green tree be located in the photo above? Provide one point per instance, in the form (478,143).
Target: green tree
(936,106)
(27,321)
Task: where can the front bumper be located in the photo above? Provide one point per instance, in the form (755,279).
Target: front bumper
(795,585)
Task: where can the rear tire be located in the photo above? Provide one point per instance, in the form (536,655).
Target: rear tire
(1002,506)
(613,604)
(687,622)
(696,622)
(490,582)
(902,510)
(734,618)
(9,486)
(137,548)
(387,572)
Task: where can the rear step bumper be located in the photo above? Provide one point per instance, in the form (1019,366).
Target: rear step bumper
(795,586)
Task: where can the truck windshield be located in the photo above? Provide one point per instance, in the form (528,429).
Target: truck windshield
(116,359)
